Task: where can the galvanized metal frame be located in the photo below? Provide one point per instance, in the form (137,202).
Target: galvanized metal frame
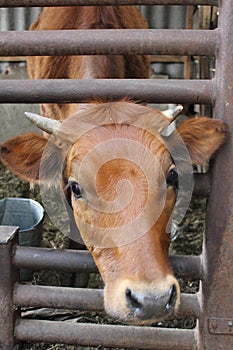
(213,306)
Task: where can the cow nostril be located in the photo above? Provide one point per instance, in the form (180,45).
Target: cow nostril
(4,149)
(132,300)
(147,306)
(172,300)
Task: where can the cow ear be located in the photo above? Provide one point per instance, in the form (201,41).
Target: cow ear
(22,155)
(202,137)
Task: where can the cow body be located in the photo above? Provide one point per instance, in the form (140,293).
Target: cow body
(86,67)
(118,166)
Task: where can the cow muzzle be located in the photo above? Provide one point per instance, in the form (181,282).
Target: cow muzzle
(148,306)
(142,303)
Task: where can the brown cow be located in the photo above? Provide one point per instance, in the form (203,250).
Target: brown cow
(88,67)
(120,168)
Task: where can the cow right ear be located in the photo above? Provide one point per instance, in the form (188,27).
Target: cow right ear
(22,155)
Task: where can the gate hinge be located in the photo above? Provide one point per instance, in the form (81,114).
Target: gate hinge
(220,325)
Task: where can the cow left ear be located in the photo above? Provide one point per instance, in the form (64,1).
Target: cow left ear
(33,158)
(202,137)
(22,155)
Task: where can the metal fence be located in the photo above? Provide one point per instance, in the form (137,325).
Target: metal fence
(213,305)
(161,16)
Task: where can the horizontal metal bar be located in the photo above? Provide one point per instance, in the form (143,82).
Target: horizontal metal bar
(47,3)
(82,299)
(189,305)
(58,259)
(186,266)
(112,42)
(79,260)
(74,90)
(202,186)
(105,335)
(58,297)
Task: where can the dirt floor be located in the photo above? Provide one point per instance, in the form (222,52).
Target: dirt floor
(189,241)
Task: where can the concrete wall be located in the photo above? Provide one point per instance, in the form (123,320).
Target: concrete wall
(12,119)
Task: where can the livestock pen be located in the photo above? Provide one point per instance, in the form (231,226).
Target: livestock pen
(212,305)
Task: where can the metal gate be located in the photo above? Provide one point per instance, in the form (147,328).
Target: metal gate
(213,305)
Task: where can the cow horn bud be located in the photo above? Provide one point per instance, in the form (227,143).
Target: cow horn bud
(173,113)
(46,124)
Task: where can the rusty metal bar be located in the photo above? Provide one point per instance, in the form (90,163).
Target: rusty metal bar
(105,335)
(189,305)
(82,299)
(186,266)
(111,41)
(58,259)
(201,185)
(47,3)
(78,260)
(7,277)
(58,297)
(74,90)
(217,286)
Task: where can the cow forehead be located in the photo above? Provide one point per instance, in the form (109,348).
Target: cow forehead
(117,113)
(117,125)
(119,141)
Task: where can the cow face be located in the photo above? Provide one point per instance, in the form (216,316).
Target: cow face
(123,179)
(122,204)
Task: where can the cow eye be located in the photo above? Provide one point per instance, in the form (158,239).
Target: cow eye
(76,189)
(172,178)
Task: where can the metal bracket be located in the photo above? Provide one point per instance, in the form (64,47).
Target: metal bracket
(220,325)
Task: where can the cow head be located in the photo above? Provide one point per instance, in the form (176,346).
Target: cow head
(123,176)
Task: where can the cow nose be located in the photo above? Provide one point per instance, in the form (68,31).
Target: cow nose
(147,306)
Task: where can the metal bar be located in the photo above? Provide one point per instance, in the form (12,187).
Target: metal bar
(105,335)
(79,260)
(186,266)
(58,297)
(74,90)
(189,305)
(7,278)
(111,41)
(58,259)
(201,185)
(218,240)
(82,299)
(47,3)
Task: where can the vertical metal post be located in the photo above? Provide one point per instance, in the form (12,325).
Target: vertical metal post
(216,323)
(7,279)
